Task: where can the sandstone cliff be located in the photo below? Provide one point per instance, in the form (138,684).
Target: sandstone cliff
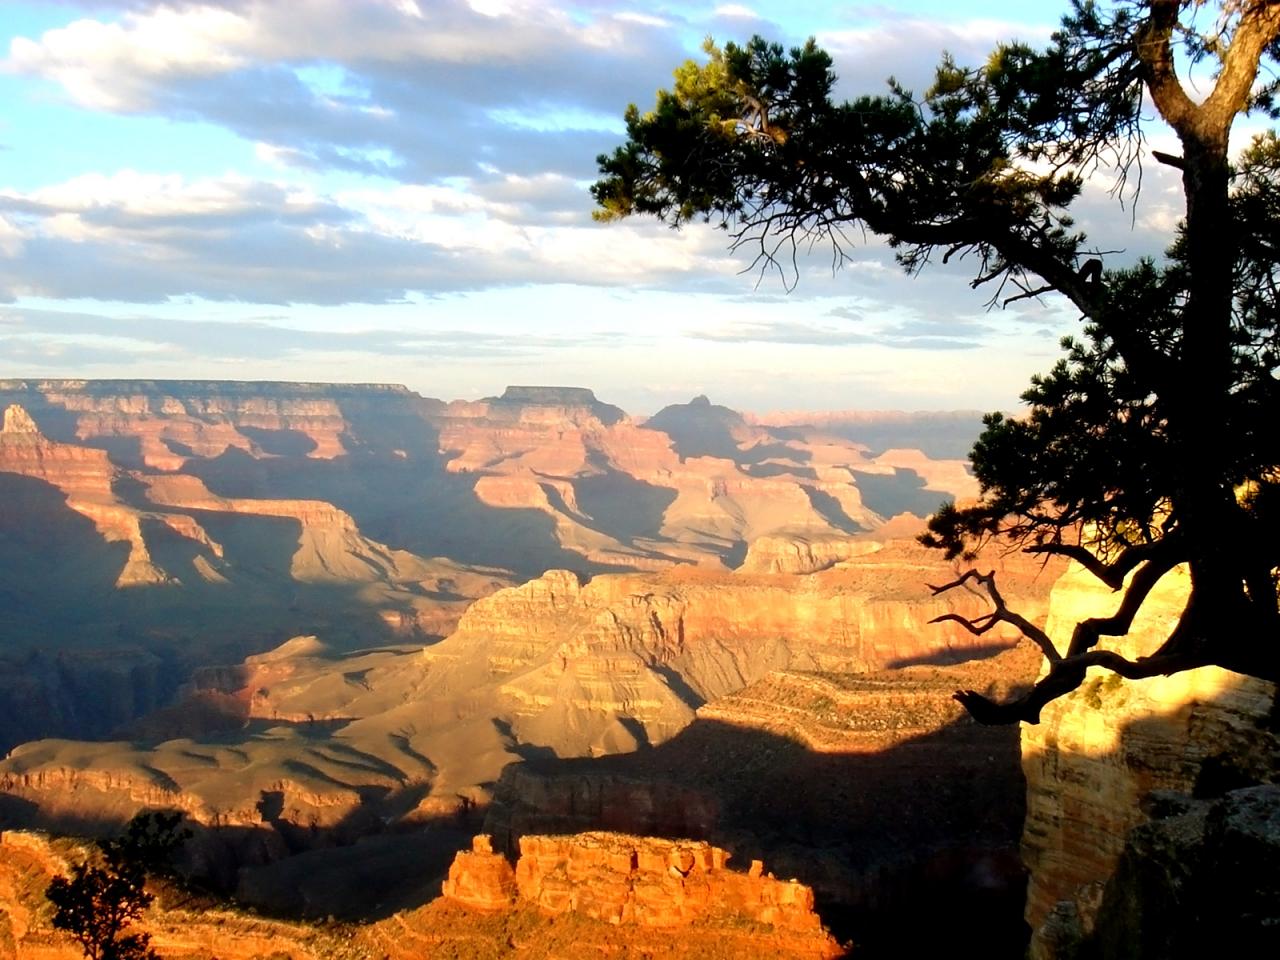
(164,570)
(553,666)
(625,879)
(1097,756)
(313,745)
(872,788)
(796,554)
(537,478)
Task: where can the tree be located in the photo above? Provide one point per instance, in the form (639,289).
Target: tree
(101,900)
(1152,443)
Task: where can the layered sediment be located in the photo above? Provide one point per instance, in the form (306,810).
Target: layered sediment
(1101,757)
(625,879)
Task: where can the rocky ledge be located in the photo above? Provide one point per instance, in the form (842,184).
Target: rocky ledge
(623,879)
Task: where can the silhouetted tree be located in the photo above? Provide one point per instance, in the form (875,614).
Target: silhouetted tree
(103,898)
(1153,443)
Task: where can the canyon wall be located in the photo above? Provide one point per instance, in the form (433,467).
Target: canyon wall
(553,667)
(1106,758)
(874,789)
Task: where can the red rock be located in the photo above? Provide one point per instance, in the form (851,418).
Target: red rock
(480,878)
(624,879)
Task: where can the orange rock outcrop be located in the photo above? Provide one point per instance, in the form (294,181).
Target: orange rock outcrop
(625,879)
(668,900)
(481,879)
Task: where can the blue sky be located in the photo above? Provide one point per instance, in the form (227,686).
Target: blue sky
(391,190)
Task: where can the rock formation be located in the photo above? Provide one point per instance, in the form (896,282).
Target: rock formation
(624,879)
(1101,757)
(553,666)
(873,788)
(942,434)
(17,420)
(478,483)
(201,525)
(707,912)
(796,554)
(481,879)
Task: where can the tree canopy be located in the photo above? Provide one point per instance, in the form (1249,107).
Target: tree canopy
(1153,441)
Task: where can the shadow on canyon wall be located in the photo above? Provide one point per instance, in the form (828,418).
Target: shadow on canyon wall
(903,492)
(911,848)
(413,503)
(80,656)
(357,870)
(930,824)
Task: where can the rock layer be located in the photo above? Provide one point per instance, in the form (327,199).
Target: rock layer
(625,879)
(1098,754)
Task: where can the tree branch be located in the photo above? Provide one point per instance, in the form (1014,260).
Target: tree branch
(1169,159)
(1087,632)
(1258,28)
(1113,573)
(1001,614)
(1067,675)
(1155,56)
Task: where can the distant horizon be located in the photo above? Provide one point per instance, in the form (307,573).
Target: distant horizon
(394,191)
(8,382)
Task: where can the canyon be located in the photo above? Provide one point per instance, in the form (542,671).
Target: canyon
(198,522)
(327,623)
(585,670)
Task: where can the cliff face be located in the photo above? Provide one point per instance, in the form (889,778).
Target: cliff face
(872,788)
(198,524)
(103,498)
(1097,756)
(654,648)
(310,745)
(697,483)
(554,666)
(796,554)
(162,424)
(1200,875)
(630,880)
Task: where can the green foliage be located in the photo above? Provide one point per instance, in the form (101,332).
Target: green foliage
(102,899)
(1152,442)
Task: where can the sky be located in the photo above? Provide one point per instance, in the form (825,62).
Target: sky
(397,191)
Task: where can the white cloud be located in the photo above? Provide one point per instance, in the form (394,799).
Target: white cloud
(414,92)
(149,237)
(736,11)
(107,65)
(11,242)
(909,48)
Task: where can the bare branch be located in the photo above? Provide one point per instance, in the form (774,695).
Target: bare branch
(1067,675)
(1087,632)
(1113,573)
(1028,294)
(1001,614)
